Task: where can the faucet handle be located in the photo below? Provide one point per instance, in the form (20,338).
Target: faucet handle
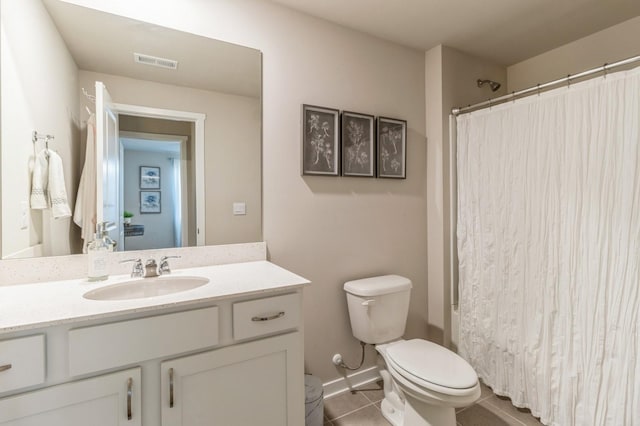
(138,269)
(164,264)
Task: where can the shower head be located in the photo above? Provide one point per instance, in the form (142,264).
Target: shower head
(494,85)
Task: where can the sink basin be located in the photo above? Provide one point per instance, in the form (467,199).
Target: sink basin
(146,287)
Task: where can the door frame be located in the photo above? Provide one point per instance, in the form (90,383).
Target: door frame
(198,120)
(105,163)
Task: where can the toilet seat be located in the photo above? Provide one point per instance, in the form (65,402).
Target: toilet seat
(432,367)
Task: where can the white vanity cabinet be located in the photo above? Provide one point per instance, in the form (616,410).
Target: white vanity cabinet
(252,383)
(106,400)
(231,361)
(246,384)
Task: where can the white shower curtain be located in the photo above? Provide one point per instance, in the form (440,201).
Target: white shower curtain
(549,250)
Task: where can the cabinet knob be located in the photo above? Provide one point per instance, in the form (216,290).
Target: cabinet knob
(5,367)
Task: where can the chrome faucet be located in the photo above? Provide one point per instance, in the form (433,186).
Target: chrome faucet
(138,269)
(164,264)
(151,268)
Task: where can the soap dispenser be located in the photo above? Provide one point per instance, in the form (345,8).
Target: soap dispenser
(97,251)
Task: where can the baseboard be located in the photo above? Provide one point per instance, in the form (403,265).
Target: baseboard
(350,381)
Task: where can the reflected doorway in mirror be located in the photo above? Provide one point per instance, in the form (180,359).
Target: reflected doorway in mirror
(164,155)
(181,164)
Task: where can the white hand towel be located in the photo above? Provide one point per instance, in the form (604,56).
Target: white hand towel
(40,181)
(57,190)
(84,214)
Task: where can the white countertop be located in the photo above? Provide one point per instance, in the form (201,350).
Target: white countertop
(29,306)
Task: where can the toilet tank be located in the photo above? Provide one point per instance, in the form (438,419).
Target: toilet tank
(378,307)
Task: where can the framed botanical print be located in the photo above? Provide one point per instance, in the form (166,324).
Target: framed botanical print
(358,144)
(320,141)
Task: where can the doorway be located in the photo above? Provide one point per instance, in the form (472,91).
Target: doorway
(155,174)
(110,183)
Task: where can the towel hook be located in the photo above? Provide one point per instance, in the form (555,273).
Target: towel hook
(89,96)
(35,137)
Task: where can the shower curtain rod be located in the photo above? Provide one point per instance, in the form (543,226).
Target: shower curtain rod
(538,87)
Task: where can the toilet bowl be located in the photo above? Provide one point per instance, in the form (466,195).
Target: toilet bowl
(423,382)
(433,381)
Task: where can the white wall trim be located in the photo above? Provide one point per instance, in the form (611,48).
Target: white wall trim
(153,136)
(350,381)
(166,114)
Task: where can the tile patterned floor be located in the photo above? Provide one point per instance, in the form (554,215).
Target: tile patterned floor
(362,408)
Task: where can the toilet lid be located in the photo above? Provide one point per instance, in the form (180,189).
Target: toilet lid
(432,363)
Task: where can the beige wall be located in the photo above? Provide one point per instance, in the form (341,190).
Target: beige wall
(327,229)
(38,93)
(450,79)
(606,46)
(232,148)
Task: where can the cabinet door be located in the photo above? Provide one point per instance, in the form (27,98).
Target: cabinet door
(100,401)
(255,383)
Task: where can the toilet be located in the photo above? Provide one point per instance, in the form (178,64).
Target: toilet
(423,382)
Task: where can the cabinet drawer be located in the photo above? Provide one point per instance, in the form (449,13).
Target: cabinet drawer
(264,316)
(118,344)
(22,362)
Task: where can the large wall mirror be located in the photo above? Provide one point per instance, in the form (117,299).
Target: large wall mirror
(173,121)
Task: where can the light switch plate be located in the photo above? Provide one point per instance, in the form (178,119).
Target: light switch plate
(239,209)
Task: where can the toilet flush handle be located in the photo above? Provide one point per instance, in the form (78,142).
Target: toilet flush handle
(369,302)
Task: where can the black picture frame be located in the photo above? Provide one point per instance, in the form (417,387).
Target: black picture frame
(149,177)
(358,144)
(320,141)
(392,148)
(150,202)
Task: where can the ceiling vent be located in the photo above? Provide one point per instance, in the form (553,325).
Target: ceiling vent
(155,61)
